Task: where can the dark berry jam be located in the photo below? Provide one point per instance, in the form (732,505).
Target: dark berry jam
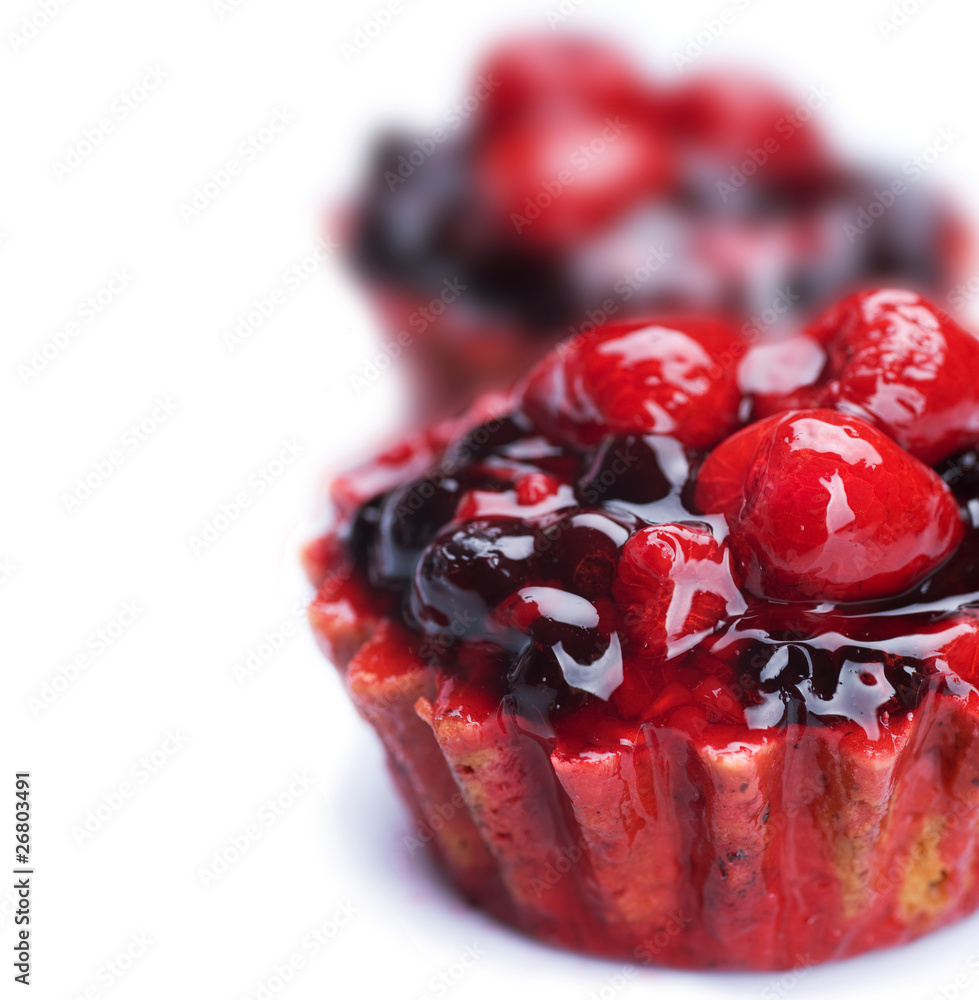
(508,560)
(620,545)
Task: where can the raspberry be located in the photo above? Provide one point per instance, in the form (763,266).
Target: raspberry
(675,583)
(564,178)
(541,75)
(822,506)
(728,117)
(671,377)
(900,363)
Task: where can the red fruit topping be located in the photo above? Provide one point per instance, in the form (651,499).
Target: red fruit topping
(670,377)
(634,468)
(822,506)
(414,454)
(323,554)
(545,75)
(734,119)
(675,583)
(535,487)
(570,627)
(632,739)
(902,364)
(719,704)
(960,652)
(566,177)
(585,550)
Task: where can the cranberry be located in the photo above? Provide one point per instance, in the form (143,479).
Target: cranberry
(822,506)
(674,377)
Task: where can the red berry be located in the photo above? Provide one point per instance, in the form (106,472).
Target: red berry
(670,377)
(565,178)
(960,650)
(902,364)
(539,75)
(822,506)
(732,119)
(675,583)
(672,696)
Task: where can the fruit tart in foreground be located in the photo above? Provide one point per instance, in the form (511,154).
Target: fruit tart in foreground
(674,653)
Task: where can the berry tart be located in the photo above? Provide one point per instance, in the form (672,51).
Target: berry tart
(566,190)
(674,651)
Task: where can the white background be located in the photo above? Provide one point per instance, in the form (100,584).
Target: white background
(172,669)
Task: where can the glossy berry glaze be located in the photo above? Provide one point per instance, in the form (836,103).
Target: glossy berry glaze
(665,681)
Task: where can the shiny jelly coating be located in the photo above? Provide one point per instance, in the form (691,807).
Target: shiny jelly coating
(519,562)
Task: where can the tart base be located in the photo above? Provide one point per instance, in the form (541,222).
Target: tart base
(733,849)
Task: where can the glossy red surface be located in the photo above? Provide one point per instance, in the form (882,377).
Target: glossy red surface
(898,361)
(527,79)
(566,178)
(675,378)
(712,710)
(822,506)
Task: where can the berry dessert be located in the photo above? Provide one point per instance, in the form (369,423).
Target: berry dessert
(566,190)
(674,650)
